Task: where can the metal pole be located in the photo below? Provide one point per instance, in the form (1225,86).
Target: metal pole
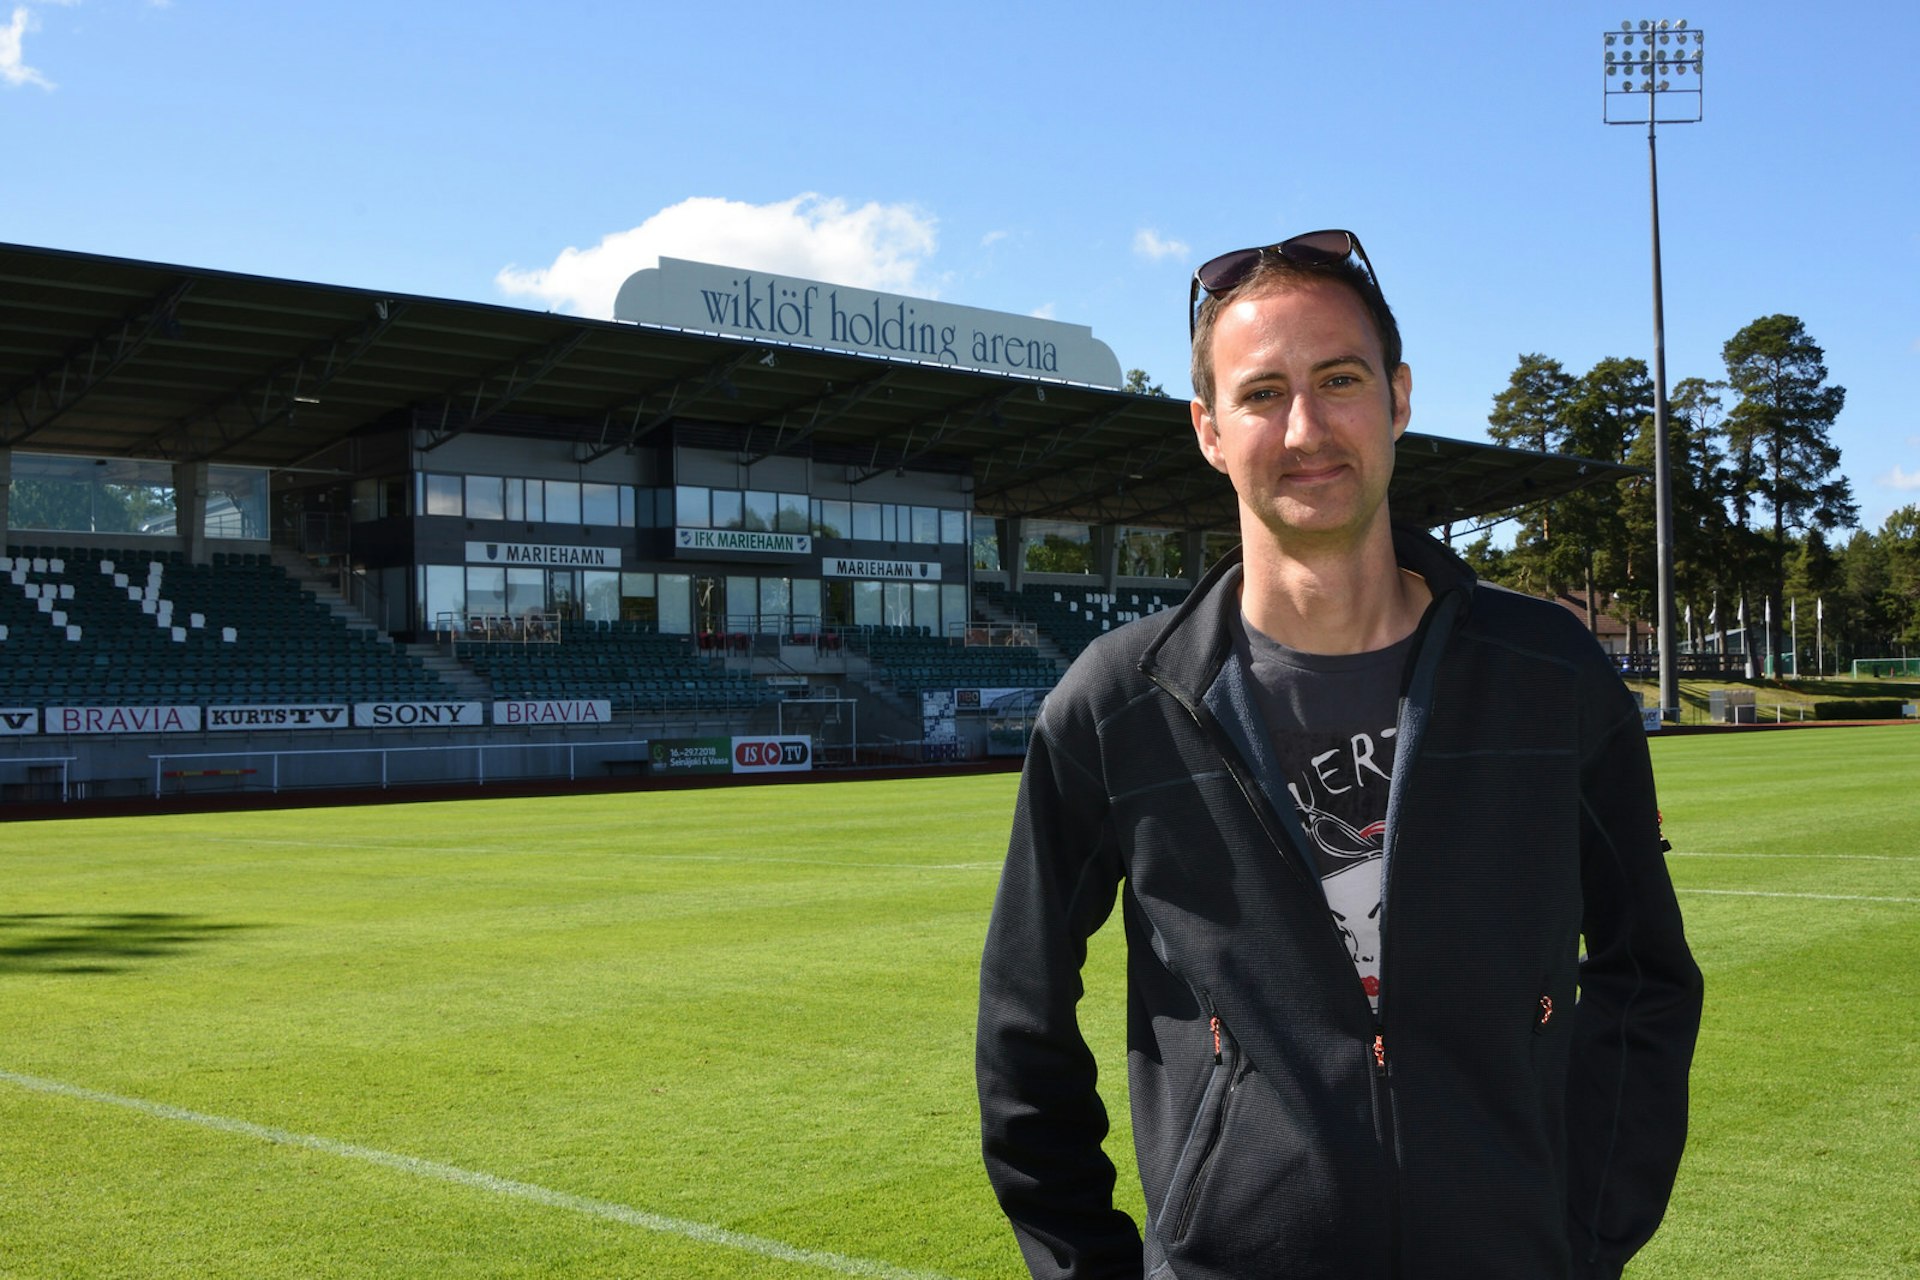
(1662,463)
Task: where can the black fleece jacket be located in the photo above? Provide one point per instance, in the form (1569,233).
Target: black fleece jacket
(1516,1110)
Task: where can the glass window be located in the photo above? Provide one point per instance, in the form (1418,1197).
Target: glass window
(953,605)
(866,521)
(833,518)
(926,524)
(793,513)
(536,501)
(443,495)
(743,597)
(897,607)
(953,527)
(889,522)
(638,585)
(526,591)
(986,544)
(676,604)
(563,502)
(484,500)
(806,598)
(926,607)
(690,506)
(236,502)
(600,504)
(727,511)
(776,602)
(446,594)
(486,590)
(601,590)
(866,604)
(514,507)
(626,506)
(762,511)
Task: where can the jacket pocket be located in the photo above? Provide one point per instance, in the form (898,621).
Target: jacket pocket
(1203,1139)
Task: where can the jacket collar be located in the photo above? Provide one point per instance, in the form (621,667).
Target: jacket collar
(1187,656)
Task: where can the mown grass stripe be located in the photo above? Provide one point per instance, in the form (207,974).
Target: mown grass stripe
(700,1232)
(1816,897)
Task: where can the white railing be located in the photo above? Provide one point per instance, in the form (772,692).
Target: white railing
(478,775)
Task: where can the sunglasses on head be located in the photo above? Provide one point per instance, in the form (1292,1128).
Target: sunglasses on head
(1316,248)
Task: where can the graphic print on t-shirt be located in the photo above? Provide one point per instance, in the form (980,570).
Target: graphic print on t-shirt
(1340,790)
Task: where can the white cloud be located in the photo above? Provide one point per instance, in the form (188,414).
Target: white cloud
(13,68)
(1899,478)
(1148,244)
(876,246)
(992,238)
(1045,311)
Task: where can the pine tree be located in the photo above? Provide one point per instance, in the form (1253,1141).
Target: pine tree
(1778,436)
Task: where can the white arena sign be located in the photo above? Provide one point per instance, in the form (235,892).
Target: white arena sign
(123,720)
(543,555)
(553,711)
(306,716)
(18,720)
(898,570)
(761,304)
(417,715)
(744,540)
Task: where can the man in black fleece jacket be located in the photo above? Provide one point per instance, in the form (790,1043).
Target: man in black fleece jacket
(1360,813)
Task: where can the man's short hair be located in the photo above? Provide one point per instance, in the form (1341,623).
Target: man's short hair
(1277,271)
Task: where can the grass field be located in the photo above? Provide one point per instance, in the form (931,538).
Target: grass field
(728,1033)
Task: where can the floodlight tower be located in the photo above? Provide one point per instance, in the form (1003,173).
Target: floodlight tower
(1653,77)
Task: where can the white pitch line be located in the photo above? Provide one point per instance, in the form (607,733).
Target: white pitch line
(1816,897)
(700,1232)
(642,857)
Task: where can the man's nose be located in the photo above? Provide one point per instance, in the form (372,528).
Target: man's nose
(1306,425)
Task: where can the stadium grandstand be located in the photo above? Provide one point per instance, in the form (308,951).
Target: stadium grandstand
(267,535)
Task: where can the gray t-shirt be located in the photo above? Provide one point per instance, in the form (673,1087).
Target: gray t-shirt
(1331,719)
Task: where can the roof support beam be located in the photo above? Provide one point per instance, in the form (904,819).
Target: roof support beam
(275,398)
(716,376)
(820,418)
(960,417)
(518,376)
(39,399)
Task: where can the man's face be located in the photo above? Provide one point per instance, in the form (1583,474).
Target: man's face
(1304,416)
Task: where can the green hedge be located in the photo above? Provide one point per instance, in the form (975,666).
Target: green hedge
(1859,709)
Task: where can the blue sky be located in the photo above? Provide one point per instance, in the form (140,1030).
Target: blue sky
(1069,160)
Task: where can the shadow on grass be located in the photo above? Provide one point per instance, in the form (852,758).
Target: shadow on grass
(47,942)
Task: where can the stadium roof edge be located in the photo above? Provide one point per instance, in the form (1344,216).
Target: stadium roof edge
(109,356)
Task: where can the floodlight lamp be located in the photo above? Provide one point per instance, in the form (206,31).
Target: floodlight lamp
(1609,39)
(1681,25)
(1665,24)
(1664,37)
(1611,69)
(1626,26)
(1663,86)
(1644,24)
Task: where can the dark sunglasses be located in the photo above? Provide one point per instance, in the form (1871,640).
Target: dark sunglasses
(1316,248)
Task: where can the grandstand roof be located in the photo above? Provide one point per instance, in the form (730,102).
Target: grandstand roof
(117,357)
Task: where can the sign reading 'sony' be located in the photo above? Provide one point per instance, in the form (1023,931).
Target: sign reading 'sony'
(758,304)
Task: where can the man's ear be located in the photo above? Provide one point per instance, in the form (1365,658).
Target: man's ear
(1207,433)
(1402,400)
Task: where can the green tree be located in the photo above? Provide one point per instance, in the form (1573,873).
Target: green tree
(1609,408)
(1528,415)
(1778,435)
(1141,385)
(1900,543)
